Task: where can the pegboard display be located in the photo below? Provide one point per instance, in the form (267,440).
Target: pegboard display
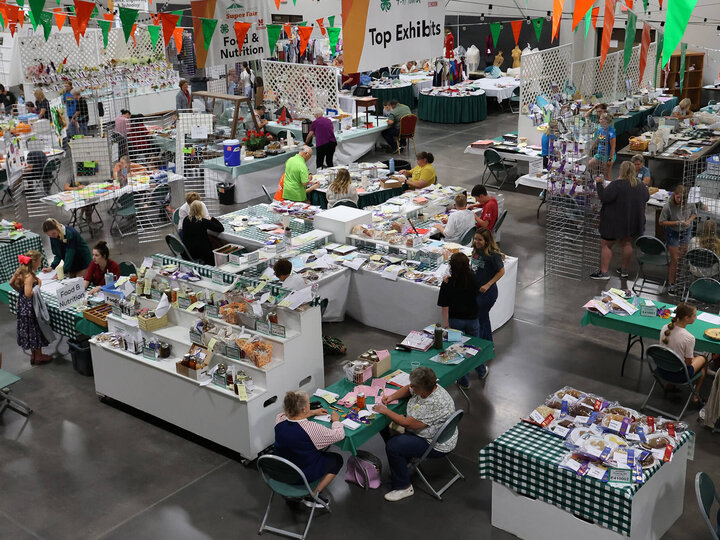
(539,70)
(301,87)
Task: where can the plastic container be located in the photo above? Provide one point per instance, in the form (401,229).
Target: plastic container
(231,152)
(226,193)
(81,357)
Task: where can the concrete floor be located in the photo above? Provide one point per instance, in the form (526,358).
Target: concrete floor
(78,468)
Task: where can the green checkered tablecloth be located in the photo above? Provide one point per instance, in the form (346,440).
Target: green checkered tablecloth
(525,459)
(9,253)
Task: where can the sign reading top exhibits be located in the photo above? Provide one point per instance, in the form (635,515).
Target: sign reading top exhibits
(224,47)
(378,33)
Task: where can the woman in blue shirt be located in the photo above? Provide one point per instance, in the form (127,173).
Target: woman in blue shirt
(605,155)
(643,173)
(548,136)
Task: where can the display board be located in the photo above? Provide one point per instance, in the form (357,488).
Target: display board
(301,87)
(540,69)
(224,47)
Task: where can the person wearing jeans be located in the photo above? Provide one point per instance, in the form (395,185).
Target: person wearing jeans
(428,408)
(457,297)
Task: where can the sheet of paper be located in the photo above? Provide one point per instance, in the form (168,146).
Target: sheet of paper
(709,318)
(320,392)
(391,272)
(48,276)
(365,413)
(268,273)
(354,263)
(51,287)
(350,424)
(297,298)
(323,418)
(147,262)
(401,379)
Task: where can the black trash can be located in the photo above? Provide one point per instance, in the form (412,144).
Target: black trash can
(81,357)
(400,164)
(226,193)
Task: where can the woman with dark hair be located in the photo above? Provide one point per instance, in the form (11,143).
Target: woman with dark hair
(101,264)
(68,246)
(183,101)
(423,174)
(457,297)
(301,441)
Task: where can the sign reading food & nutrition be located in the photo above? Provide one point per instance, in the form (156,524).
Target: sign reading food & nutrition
(224,46)
(379,33)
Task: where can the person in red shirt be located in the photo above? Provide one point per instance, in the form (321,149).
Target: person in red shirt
(349,80)
(100,265)
(489,205)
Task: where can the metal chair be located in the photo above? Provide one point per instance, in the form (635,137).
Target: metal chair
(267,194)
(124,210)
(650,251)
(178,248)
(702,262)
(157,199)
(704,290)
(444,433)
(287,480)
(660,357)
(496,166)
(344,202)
(176,218)
(127,268)
(707,494)
(50,174)
(7,379)
(406,130)
(498,224)
(515,98)
(467,236)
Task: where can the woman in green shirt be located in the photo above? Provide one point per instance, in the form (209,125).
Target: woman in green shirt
(69,247)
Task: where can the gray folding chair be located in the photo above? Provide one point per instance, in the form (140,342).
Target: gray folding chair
(286,479)
(443,434)
(467,237)
(496,167)
(706,495)
(267,194)
(668,360)
(344,202)
(8,401)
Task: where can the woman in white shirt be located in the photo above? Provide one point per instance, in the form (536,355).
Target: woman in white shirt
(184,210)
(676,337)
(341,189)
(289,280)
(246,80)
(459,221)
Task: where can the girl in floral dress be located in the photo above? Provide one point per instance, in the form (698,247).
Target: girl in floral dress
(29,335)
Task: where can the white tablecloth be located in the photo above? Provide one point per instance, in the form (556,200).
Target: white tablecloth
(532,181)
(420,81)
(492,90)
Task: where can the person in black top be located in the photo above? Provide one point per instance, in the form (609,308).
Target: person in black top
(42,105)
(195,237)
(457,297)
(82,113)
(35,163)
(7,99)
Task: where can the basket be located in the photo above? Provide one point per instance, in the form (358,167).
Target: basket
(98,314)
(152,323)
(638,144)
(193,374)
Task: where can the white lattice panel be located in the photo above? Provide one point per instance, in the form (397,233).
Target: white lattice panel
(117,48)
(301,87)
(60,45)
(540,69)
(217,86)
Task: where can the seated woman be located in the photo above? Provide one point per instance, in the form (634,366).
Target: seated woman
(428,408)
(423,174)
(301,441)
(675,336)
(195,237)
(643,173)
(184,210)
(283,271)
(682,110)
(341,189)
(101,264)
(707,239)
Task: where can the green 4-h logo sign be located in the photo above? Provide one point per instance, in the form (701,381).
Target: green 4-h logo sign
(385,5)
(235,6)
(224,28)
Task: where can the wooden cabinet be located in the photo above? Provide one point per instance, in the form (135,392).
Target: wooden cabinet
(692,85)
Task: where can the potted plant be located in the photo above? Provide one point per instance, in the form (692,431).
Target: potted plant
(255,140)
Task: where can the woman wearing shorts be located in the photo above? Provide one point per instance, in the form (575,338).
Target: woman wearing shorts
(677,217)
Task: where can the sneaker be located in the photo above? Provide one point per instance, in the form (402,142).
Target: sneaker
(600,276)
(400,494)
(484,375)
(312,503)
(673,290)
(621,272)
(462,384)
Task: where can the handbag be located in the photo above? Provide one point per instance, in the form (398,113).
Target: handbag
(370,464)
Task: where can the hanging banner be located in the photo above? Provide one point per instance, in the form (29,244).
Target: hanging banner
(304,32)
(516,28)
(595,13)
(154,32)
(273,33)
(169,22)
(678,15)
(644,47)
(178,37)
(36,8)
(683,50)
(208,29)
(538,25)
(75,28)
(321,24)
(608,23)
(46,22)
(333,35)
(582,7)
(83,10)
(224,48)
(630,30)
(383,33)
(556,16)
(105,28)
(128,18)
(59,18)
(331,20)
(495,29)
(287,28)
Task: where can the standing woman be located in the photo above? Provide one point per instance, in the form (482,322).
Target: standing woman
(457,297)
(622,217)
(195,237)
(68,246)
(677,217)
(246,80)
(183,101)
(42,105)
(101,264)
(29,334)
(489,268)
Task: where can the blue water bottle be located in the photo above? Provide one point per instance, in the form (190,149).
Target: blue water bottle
(392,165)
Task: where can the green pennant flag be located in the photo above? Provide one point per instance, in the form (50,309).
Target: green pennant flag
(32,20)
(331,20)
(36,9)
(495,29)
(154,32)
(645,4)
(72,9)
(629,38)
(273,32)
(105,27)
(683,50)
(208,29)
(658,53)
(94,13)
(46,20)
(538,25)
(59,2)
(303,23)
(2,21)
(334,35)
(588,22)
(21,3)
(128,17)
(676,20)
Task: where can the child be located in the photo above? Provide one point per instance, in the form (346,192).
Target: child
(29,334)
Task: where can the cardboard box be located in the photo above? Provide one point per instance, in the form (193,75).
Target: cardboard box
(391,183)
(340,221)
(382,366)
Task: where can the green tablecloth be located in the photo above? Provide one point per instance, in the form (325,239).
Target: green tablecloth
(318,198)
(639,118)
(525,459)
(9,253)
(452,110)
(246,167)
(404,94)
(649,327)
(401,360)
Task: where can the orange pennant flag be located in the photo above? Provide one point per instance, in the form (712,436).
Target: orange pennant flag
(288,30)
(21,18)
(241,30)
(556,16)
(155,18)
(108,17)
(608,24)
(169,21)
(594,16)
(305,32)
(644,46)
(59,18)
(321,24)
(277,4)
(516,27)
(13,26)
(132,33)
(3,11)
(83,10)
(581,8)
(12,14)
(75,27)
(629,3)
(178,36)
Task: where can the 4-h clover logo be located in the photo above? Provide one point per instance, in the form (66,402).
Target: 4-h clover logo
(224,28)
(385,5)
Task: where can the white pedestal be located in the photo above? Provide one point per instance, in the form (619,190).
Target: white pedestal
(340,220)
(527,129)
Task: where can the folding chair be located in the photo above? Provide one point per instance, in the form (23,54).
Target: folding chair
(496,166)
(705,291)
(650,251)
(498,224)
(515,98)
(50,174)
(7,379)
(707,494)
(177,248)
(406,130)
(466,238)
(660,357)
(127,268)
(176,218)
(702,263)
(344,202)
(287,480)
(267,194)
(443,434)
